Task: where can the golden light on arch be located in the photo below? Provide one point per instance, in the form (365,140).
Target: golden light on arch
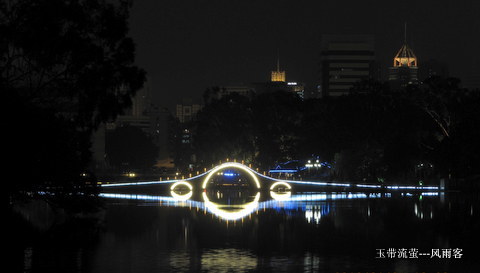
(278,183)
(181,197)
(185,183)
(280,196)
(217,209)
(284,196)
(231,165)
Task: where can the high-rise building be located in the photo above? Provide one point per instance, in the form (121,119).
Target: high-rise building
(184,154)
(298,88)
(186,110)
(405,66)
(143,114)
(218,92)
(136,115)
(345,60)
(160,129)
(278,82)
(278,75)
(269,87)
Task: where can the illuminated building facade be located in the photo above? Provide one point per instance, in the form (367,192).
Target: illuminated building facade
(278,75)
(278,82)
(345,60)
(405,66)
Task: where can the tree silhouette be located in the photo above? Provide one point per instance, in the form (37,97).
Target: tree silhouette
(277,120)
(129,148)
(66,67)
(223,129)
(374,133)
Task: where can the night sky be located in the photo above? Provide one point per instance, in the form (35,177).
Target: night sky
(187,46)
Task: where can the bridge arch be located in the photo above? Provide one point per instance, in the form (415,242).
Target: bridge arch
(181,197)
(249,171)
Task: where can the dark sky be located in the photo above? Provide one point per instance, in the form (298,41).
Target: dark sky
(187,46)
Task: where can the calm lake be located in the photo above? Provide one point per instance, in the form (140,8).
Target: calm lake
(240,230)
(232,219)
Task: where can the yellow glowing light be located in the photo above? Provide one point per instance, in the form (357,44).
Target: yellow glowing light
(181,197)
(185,183)
(216,209)
(278,76)
(230,165)
(281,196)
(130,174)
(405,57)
(280,183)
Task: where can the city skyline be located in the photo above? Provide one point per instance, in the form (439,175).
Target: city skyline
(187,47)
(199,149)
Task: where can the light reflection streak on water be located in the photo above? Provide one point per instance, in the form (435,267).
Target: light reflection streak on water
(181,197)
(220,211)
(316,212)
(294,202)
(169,201)
(228,260)
(285,196)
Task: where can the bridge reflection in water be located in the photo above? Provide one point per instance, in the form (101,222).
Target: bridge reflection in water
(233,191)
(293,202)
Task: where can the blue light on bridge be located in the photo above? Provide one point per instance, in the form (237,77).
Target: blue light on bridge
(283,171)
(230,174)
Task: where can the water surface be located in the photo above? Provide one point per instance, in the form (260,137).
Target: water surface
(306,232)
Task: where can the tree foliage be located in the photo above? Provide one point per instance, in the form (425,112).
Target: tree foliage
(373,133)
(66,67)
(224,129)
(129,148)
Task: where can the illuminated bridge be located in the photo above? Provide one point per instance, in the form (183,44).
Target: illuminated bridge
(233,191)
(260,181)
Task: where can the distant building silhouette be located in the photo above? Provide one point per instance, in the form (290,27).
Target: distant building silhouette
(143,114)
(133,116)
(184,154)
(218,92)
(269,87)
(278,82)
(345,60)
(186,110)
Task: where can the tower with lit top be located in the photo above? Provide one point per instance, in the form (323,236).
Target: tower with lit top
(278,75)
(405,66)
